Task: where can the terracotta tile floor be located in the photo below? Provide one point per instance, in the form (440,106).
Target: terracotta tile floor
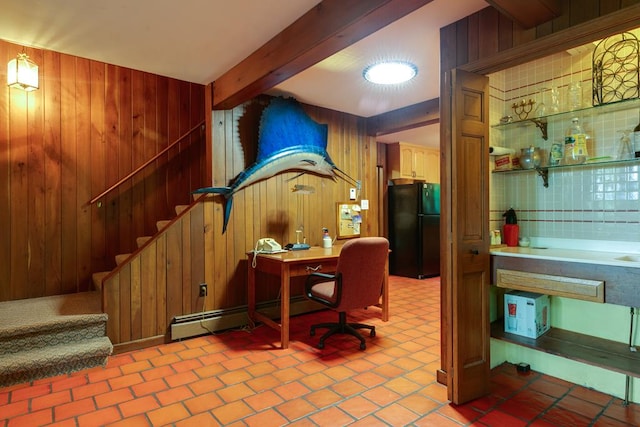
(239,379)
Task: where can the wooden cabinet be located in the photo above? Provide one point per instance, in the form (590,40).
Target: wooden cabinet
(432,165)
(413,162)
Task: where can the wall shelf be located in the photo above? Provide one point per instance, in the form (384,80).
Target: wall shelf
(595,162)
(541,122)
(611,355)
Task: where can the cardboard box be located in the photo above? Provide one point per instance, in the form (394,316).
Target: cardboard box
(504,162)
(526,313)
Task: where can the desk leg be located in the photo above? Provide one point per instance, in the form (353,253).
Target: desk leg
(385,293)
(251,289)
(285,283)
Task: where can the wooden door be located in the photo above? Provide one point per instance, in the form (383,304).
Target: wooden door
(466,280)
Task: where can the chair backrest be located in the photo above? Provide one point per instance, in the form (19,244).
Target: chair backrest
(361,264)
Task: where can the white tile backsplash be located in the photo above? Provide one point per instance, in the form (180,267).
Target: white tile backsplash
(591,202)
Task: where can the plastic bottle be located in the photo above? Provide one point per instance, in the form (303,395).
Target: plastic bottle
(636,140)
(326,239)
(510,230)
(575,144)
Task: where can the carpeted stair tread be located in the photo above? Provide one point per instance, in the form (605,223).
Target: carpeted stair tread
(28,316)
(49,336)
(54,360)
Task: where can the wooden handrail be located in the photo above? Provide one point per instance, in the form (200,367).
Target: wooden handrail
(144,165)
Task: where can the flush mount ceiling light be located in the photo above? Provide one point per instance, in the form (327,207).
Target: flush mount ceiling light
(22,73)
(391,72)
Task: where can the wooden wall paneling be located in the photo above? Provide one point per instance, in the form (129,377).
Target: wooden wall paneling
(69,167)
(173,132)
(505,32)
(136,298)
(36,187)
(174,280)
(184,254)
(111,136)
(467,39)
(181,175)
(197,145)
(140,228)
(211,246)
(584,11)
(97,165)
(112,296)
(150,147)
(148,296)
(161,284)
(6,54)
(83,159)
(18,184)
(167,201)
(488,34)
(80,132)
(125,163)
(198,260)
(123,313)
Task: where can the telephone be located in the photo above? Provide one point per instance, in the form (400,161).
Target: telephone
(268,245)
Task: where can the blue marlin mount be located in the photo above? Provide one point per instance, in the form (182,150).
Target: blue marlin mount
(288,141)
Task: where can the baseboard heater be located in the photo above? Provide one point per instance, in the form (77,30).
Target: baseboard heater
(191,325)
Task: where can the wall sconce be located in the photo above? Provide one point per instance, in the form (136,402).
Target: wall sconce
(22,73)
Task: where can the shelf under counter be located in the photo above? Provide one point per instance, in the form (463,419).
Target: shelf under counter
(611,355)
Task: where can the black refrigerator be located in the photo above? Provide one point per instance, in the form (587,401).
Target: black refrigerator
(414,230)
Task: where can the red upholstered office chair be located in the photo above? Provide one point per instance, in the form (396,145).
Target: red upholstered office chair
(357,283)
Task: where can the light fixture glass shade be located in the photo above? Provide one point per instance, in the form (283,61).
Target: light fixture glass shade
(22,73)
(392,72)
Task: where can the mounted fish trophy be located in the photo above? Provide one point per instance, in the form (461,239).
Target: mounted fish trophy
(288,141)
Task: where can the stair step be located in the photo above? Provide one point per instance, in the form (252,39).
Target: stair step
(96,279)
(121,258)
(51,321)
(54,360)
(162,224)
(181,208)
(140,241)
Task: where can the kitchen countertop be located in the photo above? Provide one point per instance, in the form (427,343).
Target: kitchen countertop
(622,259)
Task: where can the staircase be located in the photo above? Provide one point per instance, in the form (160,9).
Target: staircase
(140,266)
(49,336)
(97,278)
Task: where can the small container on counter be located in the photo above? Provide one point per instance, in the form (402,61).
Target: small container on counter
(510,229)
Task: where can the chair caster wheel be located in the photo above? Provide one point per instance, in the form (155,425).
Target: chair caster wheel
(372,333)
(321,345)
(363,346)
(313,333)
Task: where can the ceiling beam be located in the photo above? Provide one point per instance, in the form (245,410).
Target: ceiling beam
(529,13)
(410,117)
(329,27)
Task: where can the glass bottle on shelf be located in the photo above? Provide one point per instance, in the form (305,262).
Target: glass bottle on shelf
(574,96)
(575,144)
(624,150)
(636,140)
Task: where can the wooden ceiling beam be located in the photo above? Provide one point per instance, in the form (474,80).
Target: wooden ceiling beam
(329,27)
(528,13)
(410,117)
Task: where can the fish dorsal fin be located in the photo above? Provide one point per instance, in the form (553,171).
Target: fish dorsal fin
(285,125)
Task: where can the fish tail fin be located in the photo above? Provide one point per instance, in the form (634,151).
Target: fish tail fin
(227,212)
(228,200)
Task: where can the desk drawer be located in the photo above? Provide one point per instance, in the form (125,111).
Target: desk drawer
(326,266)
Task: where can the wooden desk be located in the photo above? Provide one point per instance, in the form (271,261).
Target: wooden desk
(293,264)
